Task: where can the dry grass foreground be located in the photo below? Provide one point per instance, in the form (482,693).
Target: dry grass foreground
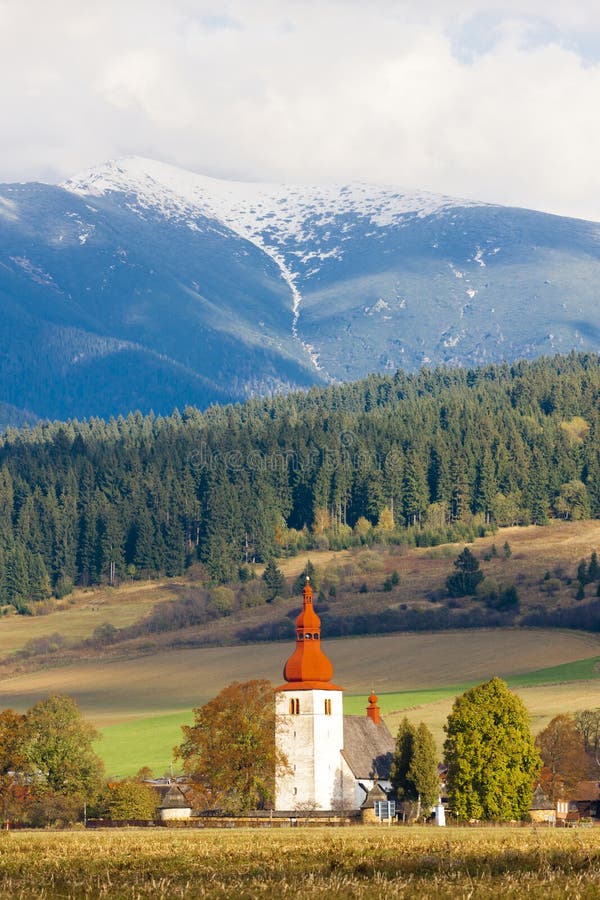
(360,862)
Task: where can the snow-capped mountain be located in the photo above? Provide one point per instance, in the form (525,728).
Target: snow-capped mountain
(140,285)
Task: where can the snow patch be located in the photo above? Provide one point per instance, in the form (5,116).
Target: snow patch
(378,307)
(8,209)
(36,273)
(279,219)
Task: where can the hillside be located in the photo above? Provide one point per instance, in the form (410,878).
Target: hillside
(355,596)
(406,461)
(140,286)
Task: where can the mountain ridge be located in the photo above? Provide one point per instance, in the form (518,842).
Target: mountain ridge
(140,285)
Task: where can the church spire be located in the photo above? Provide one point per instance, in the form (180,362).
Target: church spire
(308,667)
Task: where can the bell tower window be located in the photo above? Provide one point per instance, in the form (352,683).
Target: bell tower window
(328,706)
(294,706)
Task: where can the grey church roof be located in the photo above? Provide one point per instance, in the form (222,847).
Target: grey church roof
(368,748)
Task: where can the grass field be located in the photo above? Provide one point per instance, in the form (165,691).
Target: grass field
(140,703)
(359,862)
(78,615)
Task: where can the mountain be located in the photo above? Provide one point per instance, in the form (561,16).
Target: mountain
(138,285)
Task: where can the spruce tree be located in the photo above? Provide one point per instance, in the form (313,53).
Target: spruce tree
(414,773)
(593,572)
(467,575)
(274,581)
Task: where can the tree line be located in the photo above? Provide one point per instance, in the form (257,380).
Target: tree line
(414,457)
(50,773)
(491,762)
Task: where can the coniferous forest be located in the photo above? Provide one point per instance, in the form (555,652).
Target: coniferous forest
(428,456)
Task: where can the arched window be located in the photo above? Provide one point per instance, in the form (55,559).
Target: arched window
(300,636)
(327,706)
(294,706)
(308,637)
(316,637)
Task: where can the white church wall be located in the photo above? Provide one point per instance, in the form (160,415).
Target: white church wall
(312,741)
(349,795)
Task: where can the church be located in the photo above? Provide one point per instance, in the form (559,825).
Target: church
(335,762)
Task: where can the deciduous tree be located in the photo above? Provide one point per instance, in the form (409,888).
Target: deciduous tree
(131,799)
(230,750)
(566,763)
(491,757)
(588,725)
(59,751)
(12,761)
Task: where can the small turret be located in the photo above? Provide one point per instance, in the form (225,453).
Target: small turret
(373,710)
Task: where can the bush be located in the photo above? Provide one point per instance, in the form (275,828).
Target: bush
(63,586)
(222,598)
(550,586)
(251,595)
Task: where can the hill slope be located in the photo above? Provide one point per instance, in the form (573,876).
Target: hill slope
(138,285)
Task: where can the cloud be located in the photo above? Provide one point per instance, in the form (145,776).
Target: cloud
(489,101)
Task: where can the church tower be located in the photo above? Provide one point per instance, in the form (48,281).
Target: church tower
(310,721)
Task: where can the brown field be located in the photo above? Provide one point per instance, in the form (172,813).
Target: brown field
(113,690)
(358,862)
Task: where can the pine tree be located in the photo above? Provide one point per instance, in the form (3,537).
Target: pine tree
(414,772)
(17,577)
(423,771)
(486,486)
(467,576)
(403,754)
(415,496)
(274,581)
(39,581)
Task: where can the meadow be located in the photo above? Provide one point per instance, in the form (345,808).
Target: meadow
(356,862)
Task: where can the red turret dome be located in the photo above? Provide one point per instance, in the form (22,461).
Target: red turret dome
(308,668)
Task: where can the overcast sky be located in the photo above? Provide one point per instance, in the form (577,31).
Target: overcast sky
(491,101)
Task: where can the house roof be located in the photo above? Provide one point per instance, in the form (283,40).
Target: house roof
(587,790)
(174,799)
(368,748)
(376,793)
(540,800)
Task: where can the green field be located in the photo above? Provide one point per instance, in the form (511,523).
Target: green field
(126,746)
(359,862)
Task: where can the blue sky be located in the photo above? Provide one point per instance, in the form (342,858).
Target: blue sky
(492,101)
